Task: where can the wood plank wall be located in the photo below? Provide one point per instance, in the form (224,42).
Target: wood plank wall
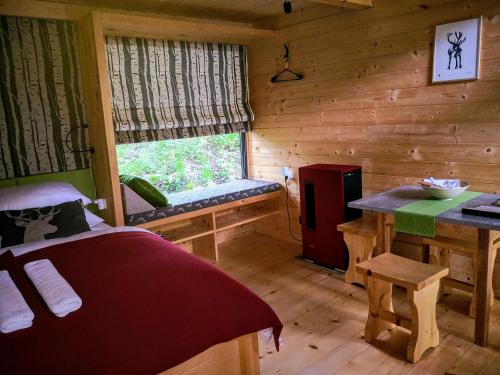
(367,99)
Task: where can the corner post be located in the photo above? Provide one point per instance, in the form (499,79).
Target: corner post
(97,97)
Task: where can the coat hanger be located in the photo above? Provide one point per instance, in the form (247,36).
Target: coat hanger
(294,76)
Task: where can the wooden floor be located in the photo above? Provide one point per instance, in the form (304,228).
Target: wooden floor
(324,319)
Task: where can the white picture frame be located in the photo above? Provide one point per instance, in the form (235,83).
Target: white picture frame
(457,47)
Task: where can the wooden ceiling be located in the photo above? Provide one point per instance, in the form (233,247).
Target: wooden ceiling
(242,11)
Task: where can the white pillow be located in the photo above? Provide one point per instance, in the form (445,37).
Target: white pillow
(39,195)
(92,219)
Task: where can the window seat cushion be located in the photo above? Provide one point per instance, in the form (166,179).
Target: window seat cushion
(197,199)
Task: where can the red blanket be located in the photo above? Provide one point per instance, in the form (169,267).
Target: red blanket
(147,306)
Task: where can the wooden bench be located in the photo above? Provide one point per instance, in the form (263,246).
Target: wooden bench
(422,284)
(360,237)
(440,250)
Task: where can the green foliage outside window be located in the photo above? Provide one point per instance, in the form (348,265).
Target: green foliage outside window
(183,164)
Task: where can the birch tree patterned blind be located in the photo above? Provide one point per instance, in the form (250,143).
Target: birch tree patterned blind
(41,98)
(166,90)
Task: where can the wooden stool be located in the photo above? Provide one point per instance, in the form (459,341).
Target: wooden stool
(440,250)
(360,237)
(421,281)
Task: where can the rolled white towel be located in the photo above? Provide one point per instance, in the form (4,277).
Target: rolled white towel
(54,289)
(15,313)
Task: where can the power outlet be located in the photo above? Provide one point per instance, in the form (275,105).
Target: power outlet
(287,172)
(101,204)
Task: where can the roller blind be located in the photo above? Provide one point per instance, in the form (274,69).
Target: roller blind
(166,90)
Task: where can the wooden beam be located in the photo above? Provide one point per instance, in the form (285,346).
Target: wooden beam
(41,9)
(351,4)
(145,25)
(99,115)
(161,28)
(397,319)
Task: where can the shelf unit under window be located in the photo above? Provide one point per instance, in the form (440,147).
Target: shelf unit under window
(199,232)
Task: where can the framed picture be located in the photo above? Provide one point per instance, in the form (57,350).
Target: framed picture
(456,51)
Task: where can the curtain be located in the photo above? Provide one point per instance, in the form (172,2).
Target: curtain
(167,90)
(41,98)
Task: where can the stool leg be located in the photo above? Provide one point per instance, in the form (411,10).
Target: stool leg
(379,299)
(472,309)
(360,249)
(424,332)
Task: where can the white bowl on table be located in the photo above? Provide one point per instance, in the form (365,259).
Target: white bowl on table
(444,193)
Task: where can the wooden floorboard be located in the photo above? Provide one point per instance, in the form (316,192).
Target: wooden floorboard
(324,319)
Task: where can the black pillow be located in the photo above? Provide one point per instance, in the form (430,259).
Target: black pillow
(37,224)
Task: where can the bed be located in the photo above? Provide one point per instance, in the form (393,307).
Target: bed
(148,308)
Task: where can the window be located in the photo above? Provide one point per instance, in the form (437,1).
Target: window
(184,164)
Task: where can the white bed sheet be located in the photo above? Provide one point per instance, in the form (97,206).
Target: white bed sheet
(100,226)
(97,230)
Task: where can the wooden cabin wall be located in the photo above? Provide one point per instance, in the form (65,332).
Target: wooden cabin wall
(367,99)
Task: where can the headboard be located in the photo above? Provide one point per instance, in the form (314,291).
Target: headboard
(79,178)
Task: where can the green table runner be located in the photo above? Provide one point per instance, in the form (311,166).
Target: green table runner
(420,217)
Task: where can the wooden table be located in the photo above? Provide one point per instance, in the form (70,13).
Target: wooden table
(385,204)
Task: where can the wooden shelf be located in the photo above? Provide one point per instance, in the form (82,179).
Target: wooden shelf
(241,217)
(199,232)
(186,233)
(151,225)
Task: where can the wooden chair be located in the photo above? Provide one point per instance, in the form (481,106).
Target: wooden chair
(360,237)
(421,281)
(440,250)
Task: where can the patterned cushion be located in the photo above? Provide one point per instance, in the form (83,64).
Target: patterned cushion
(38,224)
(197,199)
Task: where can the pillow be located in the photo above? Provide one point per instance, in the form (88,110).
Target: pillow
(92,219)
(37,224)
(145,190)
(39,195)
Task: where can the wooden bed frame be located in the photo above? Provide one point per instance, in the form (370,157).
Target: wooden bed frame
(238,356)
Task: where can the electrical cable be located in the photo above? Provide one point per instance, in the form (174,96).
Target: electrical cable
(89,150)
(94,198)
(288,212)
(66,141)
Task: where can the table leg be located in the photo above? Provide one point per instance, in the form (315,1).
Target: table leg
(484,273)
(380,232)
(385,232)
(390,234)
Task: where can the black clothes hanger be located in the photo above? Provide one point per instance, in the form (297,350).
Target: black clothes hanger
(292,76)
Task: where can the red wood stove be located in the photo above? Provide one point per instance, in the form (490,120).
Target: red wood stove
(325,191)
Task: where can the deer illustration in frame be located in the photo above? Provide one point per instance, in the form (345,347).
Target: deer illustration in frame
(457,47)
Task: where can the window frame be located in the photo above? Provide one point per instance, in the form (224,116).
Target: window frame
(244,155)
